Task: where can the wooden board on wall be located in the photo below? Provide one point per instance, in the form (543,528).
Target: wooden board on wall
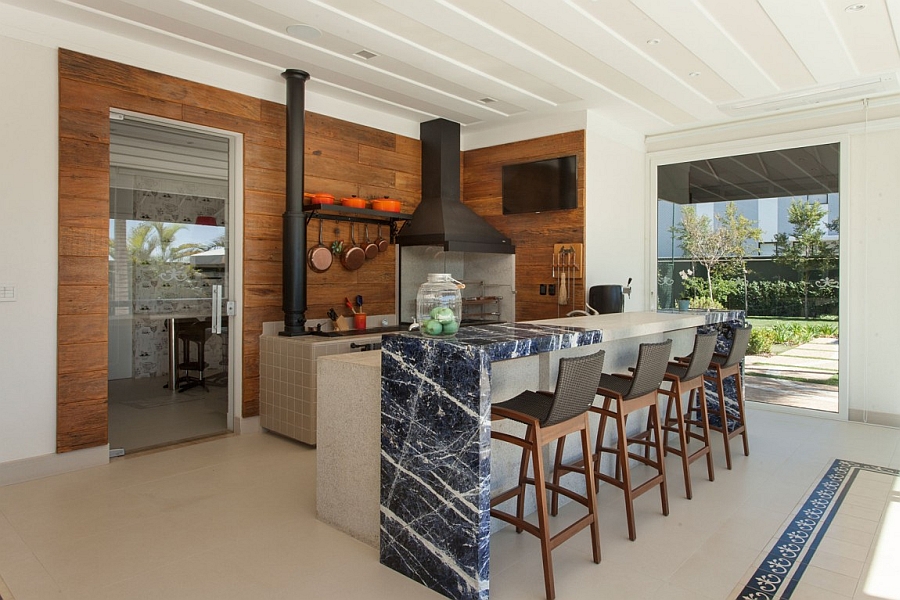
(534,235)
(343,158)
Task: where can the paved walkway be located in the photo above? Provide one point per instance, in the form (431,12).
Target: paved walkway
(816,360)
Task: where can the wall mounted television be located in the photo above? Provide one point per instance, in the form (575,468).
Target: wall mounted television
(540,186)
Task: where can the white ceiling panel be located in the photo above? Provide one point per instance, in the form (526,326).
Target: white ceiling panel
(654,66)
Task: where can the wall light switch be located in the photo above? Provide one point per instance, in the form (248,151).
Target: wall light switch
(543,289)
(552,289)
(7,292)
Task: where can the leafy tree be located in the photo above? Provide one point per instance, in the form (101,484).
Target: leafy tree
(806,251)
(718,245)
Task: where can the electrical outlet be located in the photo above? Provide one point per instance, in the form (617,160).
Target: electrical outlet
(543,289)
(552,289)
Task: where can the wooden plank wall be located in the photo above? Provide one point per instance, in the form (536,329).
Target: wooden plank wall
(341,158)
(533,234)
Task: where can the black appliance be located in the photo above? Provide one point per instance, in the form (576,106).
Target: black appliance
(540,185)
(606,299)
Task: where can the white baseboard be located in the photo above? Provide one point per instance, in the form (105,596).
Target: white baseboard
(245,425)
(36,467)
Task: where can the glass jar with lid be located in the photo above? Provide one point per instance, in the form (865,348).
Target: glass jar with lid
(439,305)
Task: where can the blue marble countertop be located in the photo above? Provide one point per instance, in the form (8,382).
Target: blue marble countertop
(502,341)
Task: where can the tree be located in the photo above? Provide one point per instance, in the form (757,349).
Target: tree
(716,244)
(806,251)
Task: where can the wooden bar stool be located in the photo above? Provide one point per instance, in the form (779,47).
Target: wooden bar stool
(629,393)
(548,417)
(726,415)
(686,375)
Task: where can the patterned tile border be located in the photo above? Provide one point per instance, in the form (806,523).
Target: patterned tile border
(786,562)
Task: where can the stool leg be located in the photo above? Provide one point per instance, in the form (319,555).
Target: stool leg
(589,486)
(598,454)
(557,473)
(622,460)
(540,493)
(682,437)
(723,416)
(663,488)
(738,382)
(523,475)
(704,426)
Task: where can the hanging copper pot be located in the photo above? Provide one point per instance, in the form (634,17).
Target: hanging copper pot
(353,256)
(319,256)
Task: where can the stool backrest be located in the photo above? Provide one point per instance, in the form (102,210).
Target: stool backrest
(704,347)
(576,386)
(739,344)
(650,369)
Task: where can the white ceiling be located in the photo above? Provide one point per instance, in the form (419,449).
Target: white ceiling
(652,65)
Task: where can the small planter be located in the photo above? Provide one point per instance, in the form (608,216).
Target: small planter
(684,304)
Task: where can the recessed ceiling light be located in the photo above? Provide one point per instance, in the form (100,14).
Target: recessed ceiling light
(855,7)
(302,31)
(694,74)
(365,54)
(652,41)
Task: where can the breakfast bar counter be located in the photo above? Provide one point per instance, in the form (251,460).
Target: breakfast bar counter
(435,449)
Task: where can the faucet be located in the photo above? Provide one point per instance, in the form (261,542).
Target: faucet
(627,289)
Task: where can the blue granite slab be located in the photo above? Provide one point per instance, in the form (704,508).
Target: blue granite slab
(435,448)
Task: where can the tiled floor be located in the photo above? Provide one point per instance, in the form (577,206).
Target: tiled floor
(234,518)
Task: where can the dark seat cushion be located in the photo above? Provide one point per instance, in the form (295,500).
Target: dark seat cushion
(530,403)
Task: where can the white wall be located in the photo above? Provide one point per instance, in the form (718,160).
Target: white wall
(28,249)
(616,242)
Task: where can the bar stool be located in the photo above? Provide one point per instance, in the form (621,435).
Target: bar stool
(726,415)
(551,416)
(630,393)
(686,375)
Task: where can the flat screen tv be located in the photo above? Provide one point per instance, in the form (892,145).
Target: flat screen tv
(540,186)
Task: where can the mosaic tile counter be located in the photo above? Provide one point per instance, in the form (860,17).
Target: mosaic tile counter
(435,448)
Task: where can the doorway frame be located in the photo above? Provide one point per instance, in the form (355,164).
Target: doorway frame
(767,144)
(88,87)
(235,233)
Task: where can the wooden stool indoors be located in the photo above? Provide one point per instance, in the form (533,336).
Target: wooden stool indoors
(549,417)
(686,375)
(725,415)
(623,395)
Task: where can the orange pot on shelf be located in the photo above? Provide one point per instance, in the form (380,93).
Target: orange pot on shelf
(353,202)
(386,204)
(322,199)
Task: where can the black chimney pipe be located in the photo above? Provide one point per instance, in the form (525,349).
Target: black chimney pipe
(293,220)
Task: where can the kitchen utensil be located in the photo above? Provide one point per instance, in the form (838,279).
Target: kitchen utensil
(381,242)
(353,202)
(336,321)
(319,256)
(359,302)
(353,256)
(359,321)
(371,249)
(563,297)
(349,304)
(323,199)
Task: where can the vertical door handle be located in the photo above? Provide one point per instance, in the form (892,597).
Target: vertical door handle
(217,309)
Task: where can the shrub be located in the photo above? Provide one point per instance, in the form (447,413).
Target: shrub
(761,341)
(705,302)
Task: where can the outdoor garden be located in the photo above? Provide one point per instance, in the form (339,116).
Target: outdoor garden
(790,294)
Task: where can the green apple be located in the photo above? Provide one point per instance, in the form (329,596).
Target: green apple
(451,327)
(442,314)
(432,327)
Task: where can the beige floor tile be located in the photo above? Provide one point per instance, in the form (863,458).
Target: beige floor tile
(831,581)
(837,564)
(235,518)
(806,591)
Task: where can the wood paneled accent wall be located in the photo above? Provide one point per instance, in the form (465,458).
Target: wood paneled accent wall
(341,158)
(533,234)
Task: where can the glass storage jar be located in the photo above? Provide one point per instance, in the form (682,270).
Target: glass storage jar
(439,305)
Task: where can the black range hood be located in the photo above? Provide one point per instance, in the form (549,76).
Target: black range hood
(441,219)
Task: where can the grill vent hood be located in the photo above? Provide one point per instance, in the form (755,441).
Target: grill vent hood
(441,219)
